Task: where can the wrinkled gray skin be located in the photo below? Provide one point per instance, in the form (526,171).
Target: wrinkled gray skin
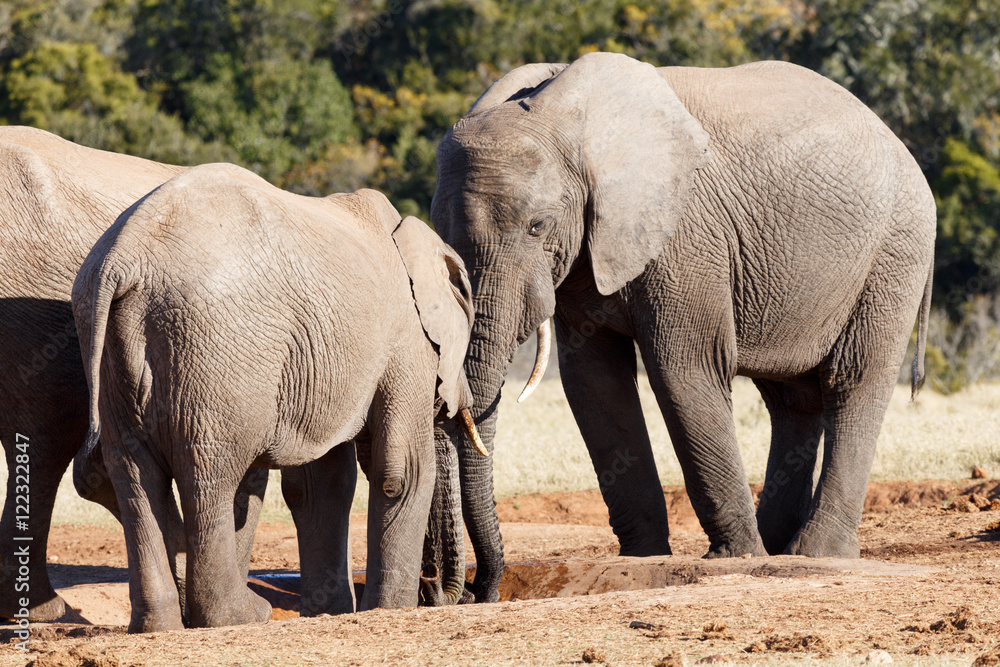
(227,324)
(755,221)
(56,199)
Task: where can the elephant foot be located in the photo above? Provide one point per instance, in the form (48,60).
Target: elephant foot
(254,609)
(468,597)
(53,608)
(825,544)
(248,607)
(163,621)
(261,610)
(661,549)
(490,596)
(483,593)
(744,542)
(777,528)
(337,601)
(776,542)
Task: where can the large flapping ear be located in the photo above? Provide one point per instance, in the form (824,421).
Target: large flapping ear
(639,148)
(443,296)
(516,83)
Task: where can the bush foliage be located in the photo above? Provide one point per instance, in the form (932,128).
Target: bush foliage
(330,95)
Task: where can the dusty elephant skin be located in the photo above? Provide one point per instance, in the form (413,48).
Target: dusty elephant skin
(756,221)
(227,324)
(56,199)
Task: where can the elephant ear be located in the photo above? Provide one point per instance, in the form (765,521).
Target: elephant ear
(516,83)
(639,150)
(443,298)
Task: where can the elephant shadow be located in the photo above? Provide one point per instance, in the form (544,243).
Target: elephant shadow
(989,534)
(40,344)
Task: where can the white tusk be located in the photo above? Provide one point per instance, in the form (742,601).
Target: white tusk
(541,360)
(470,430)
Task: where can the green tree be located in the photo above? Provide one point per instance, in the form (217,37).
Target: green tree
(274,113)
(74,91)
(968,243)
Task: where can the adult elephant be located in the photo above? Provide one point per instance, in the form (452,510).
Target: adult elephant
(756,220)
(226,324)
(56,199)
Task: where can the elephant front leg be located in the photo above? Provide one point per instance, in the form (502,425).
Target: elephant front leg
(796,410)
(401,484)
(598,369)
(691,380)
(217,592)
(319,495)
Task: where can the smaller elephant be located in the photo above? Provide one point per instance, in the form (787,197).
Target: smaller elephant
(225,325)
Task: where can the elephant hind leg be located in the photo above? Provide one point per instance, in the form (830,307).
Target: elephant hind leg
(857,381)
(796,410)
(145,496)
(216,584)
(852,420)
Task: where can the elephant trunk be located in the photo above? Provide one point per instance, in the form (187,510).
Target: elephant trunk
(442,578)
(491,350)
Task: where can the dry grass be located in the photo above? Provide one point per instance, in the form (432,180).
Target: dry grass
(539,448)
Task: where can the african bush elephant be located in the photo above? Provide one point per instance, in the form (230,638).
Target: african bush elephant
(226,324)
(56,199)
(756,220)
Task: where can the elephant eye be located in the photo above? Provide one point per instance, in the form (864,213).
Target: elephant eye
(537,228)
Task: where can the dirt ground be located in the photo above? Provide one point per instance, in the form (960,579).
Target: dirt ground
(927,590)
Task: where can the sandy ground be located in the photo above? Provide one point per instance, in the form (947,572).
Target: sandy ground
(926,591)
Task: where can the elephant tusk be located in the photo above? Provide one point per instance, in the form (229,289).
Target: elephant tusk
(541,360)
(470,430)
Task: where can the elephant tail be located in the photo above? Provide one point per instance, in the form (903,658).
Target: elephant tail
(917,376)
(93,293)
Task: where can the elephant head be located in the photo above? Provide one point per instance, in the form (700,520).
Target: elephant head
(554,167)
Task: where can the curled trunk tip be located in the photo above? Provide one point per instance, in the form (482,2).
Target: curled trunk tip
(541,360)
(470,430)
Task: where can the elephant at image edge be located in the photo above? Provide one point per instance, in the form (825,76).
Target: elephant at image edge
(56,199)
(756,220)
(227,324)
